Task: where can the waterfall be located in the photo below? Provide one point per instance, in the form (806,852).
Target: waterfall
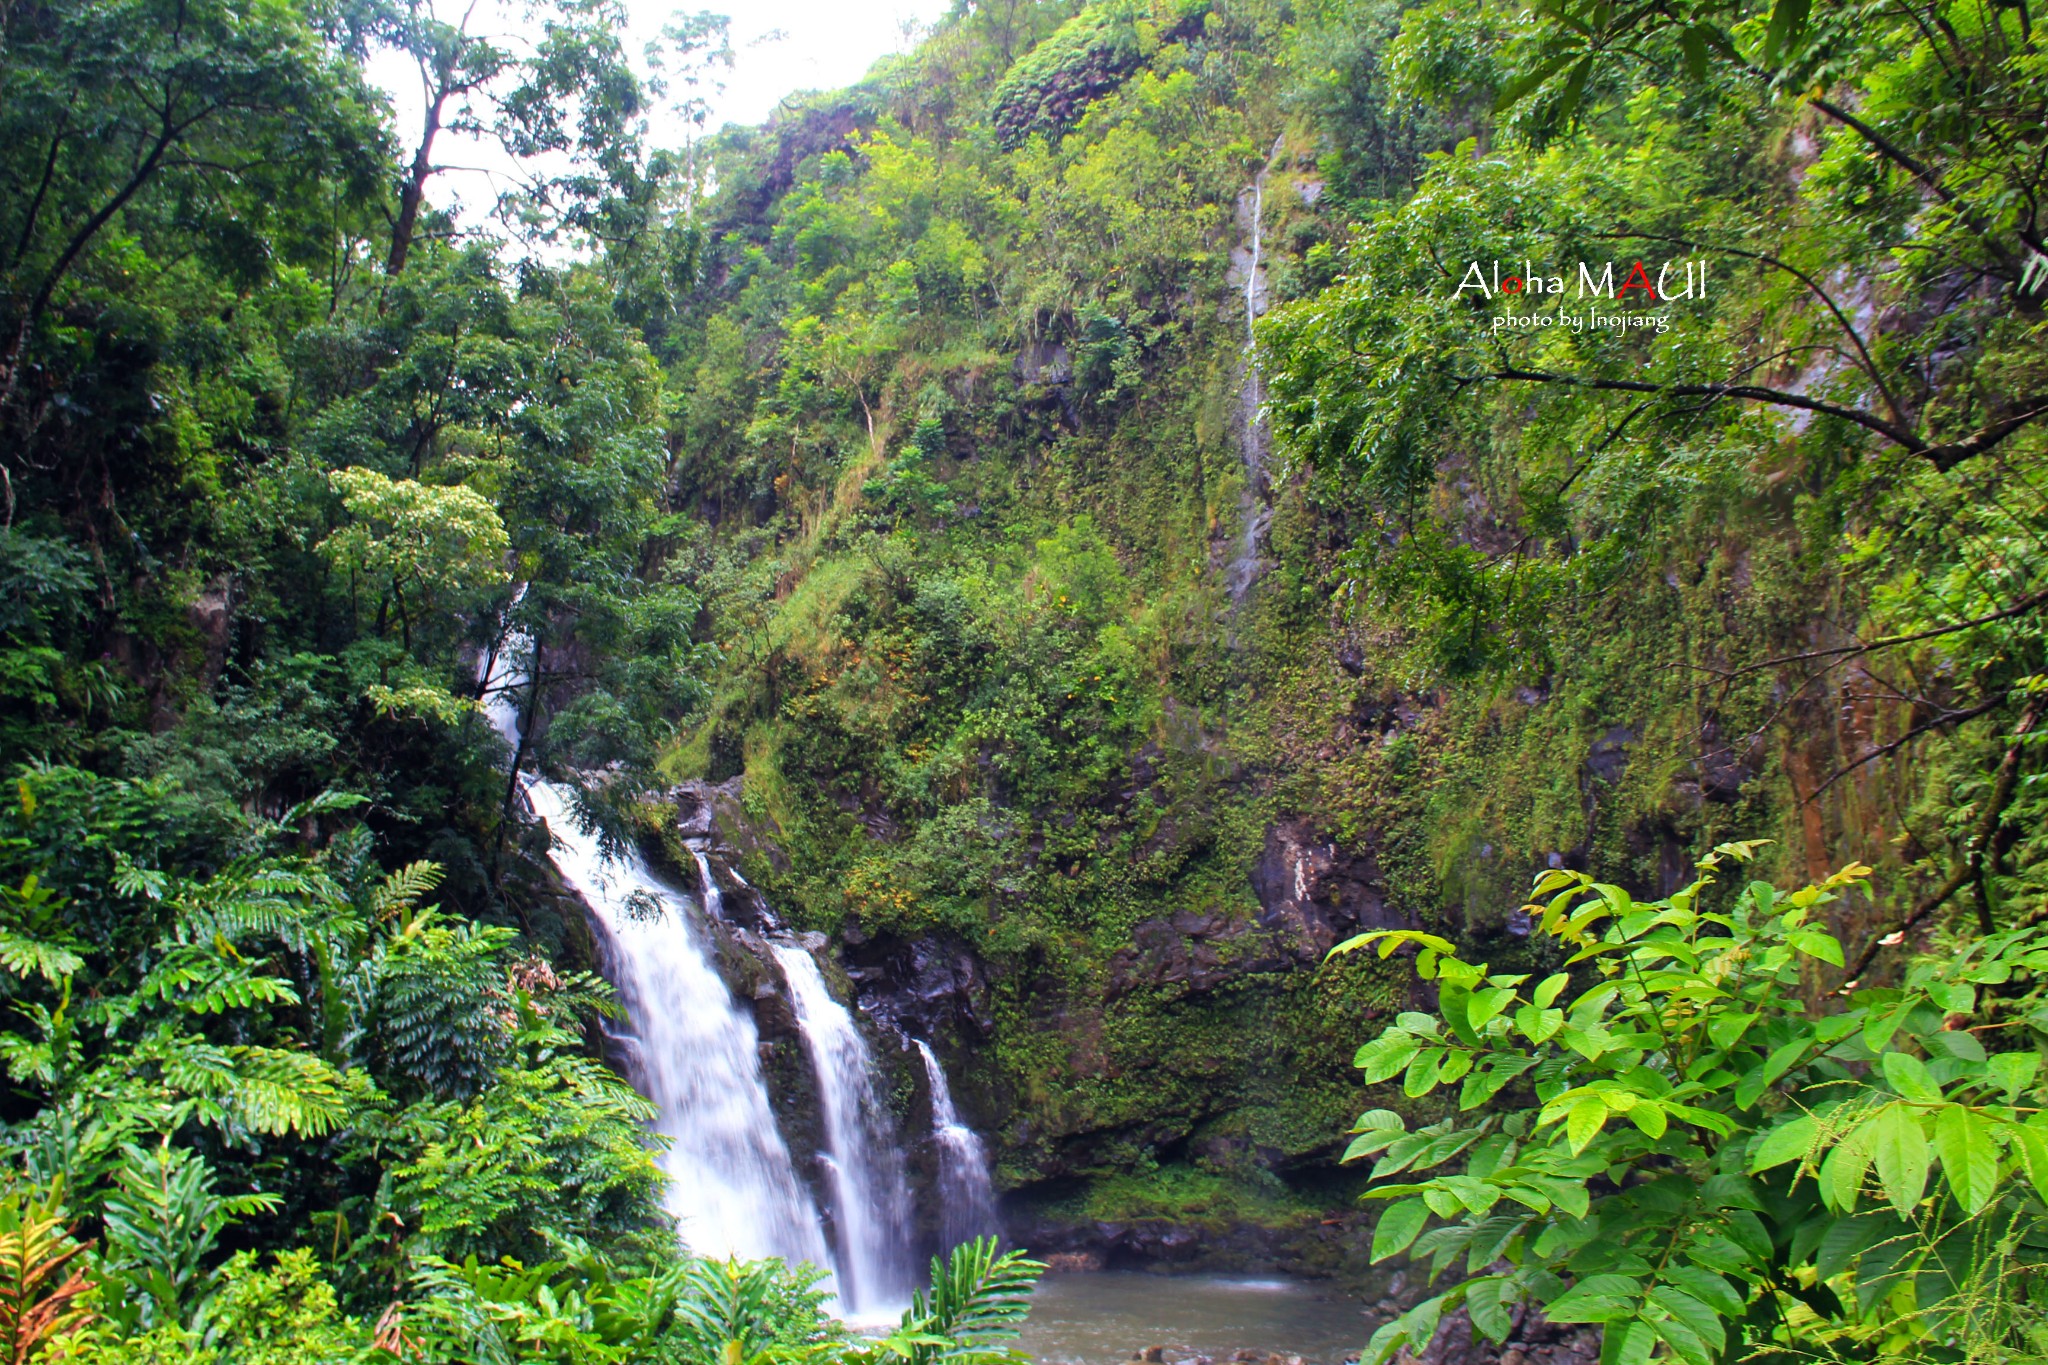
(732,1187)
(871,1198)
(967,1201)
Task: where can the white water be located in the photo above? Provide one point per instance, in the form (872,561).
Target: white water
(967,1201)
(871,1199)
(732,1187)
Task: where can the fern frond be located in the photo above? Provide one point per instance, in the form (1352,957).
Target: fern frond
(23,957)
(280,1092)
(403,889)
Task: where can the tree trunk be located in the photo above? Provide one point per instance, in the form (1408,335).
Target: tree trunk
(414,192)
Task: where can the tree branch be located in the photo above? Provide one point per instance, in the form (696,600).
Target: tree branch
(1972,866)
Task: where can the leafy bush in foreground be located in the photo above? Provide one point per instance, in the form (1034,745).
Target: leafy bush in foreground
(1684,1151)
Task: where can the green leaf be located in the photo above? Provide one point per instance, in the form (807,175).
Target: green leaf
(1397,1228)
(1387,1056)
(1841,1175)
(1899,1147)
(1818,943)
(1538,1025)
(1702,1326)
(1908,1075)
(1584,1122)
(1596,1298)
(1693,44)
(2032,1144)
(1649,1116)
(1957,1043)
(1786,1142)
(1454,1003)
(1969,1156)
(1546,994)
(1516,90)
(2012,1071)
(1422,1073)
(1704,1285)
(1489,1314)
(1788,22)
(1483,1084)
(1627,1344)
(1727,1029)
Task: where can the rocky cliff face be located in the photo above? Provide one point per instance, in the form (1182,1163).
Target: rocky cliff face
(1196,982)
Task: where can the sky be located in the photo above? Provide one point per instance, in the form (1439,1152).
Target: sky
(780,46)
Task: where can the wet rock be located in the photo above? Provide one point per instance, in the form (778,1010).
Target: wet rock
(1045,362)
(1072,1262)
(1608,759)
(1312,893)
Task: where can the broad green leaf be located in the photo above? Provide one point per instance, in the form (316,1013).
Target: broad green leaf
(1969,1156)
(1899,1148)
(1908,1075)
(2032,1145)
(2012,1071)
(1841,1174)
(1538,1025)
(1422,1073)
(1485,1082)
(1726,1029)
(1454,1003)
(1727,1191)
(1584,1122)
(1846,1240)
(1783,1059)
(1704,1285)
(1627,1343)
(1597,1298)
(1386,1056)
(1397,1228)
(1547,993)
(1956,1043)
(1489,1315)
(1786,1142)
(1379,1120)
(1648,1115)
(1882,1024)
(1700,1321)
(1818,943)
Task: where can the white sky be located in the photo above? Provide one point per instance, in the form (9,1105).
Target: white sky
(822,45)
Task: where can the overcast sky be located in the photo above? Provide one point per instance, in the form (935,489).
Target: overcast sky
(780,46)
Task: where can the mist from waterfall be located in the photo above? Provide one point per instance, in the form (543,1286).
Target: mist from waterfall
(967,1200)
(871,1204)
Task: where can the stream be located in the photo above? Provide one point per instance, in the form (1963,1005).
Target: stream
(1106,1317)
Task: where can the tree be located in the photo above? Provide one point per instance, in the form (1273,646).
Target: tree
(181,125)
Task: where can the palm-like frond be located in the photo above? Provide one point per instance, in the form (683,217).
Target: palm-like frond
(38,1298)
(978,1297)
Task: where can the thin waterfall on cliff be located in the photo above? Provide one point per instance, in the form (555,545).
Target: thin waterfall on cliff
(967,1201)
(871,1204)
(694,1053)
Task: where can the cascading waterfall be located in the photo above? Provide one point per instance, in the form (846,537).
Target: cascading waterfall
(732,1186)
(871,1197)
(967,1201)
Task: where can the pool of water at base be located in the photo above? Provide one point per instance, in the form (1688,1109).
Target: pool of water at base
(1107,1317)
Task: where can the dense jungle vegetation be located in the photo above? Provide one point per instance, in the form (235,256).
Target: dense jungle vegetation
(910,459)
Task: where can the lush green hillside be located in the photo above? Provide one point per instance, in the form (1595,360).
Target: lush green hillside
(1088,671)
